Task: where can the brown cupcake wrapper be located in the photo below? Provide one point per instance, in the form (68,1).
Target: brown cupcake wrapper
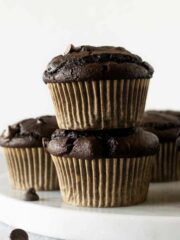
(99,104)
(109,182)
(31,167)
(166,166)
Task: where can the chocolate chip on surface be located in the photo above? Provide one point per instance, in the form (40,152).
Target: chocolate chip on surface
(19,234)
(31,195)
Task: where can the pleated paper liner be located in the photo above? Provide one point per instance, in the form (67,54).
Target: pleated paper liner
(110,182)
(167,166)
(102,104)
(31,167)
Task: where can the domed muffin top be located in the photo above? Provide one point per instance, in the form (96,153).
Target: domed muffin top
(162,123)
(172,112)
(102,144)
(96,63)
(28,132)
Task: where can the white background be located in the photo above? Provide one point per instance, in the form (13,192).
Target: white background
(34,31)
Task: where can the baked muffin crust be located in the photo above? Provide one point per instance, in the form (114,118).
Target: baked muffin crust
(96,63)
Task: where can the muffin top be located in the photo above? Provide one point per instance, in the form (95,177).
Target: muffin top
(102,144)
(29,132)
(172,112)
(162,123)
(96,63)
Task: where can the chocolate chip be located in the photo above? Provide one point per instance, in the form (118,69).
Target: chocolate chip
(31,195)
(8,132)
(69,48)
(40,121)
(18,234)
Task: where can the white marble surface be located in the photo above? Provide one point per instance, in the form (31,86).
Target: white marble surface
(5,230)
(156,219)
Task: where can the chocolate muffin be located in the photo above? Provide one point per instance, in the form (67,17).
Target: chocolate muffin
(29,165)
(98,87)
(103,168)
(166,126)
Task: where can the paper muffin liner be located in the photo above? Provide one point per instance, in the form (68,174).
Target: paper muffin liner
(166,165)
(102,104)
(178,165)
(109,182)
(31,167)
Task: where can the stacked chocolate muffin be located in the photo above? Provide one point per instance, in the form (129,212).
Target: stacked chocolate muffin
(102,157)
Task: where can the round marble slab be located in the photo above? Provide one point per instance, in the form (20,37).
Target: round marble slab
(157,218)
